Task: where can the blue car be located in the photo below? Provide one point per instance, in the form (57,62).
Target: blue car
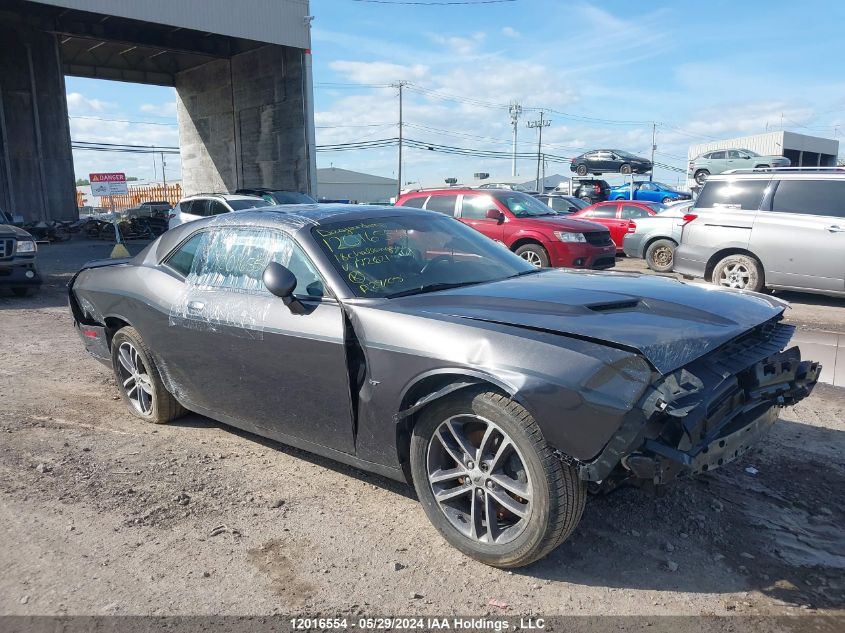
(647,191)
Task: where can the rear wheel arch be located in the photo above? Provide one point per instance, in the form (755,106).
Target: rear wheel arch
(720,255)
(651,240)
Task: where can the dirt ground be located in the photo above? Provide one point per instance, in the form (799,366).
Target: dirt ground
(101,514)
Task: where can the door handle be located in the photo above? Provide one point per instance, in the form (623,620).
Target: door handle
(835,228)
(195,306)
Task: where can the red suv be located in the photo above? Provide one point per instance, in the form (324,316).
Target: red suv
(619,216)
(524,224)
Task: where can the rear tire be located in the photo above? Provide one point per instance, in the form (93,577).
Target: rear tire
(581,170)
(553,497)
(739,271)
(534,254)
(23,291)
(701,176)
(139,381)
(660,254)
(666,200)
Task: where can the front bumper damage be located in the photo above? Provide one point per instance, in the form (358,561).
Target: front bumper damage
(708,413)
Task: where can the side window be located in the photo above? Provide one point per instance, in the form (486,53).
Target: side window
(717,155)
(603,211)
(442,204)
(559,204)
(732,194)
(629,211)
(811,197)
(475,207)
(646,186)
(182,259)
(235,259)
(416,203)
(732,153)
(215,207)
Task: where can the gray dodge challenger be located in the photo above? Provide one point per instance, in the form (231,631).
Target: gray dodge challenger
(405,343)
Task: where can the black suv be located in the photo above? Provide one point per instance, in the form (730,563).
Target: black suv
(590,190)
(17,258)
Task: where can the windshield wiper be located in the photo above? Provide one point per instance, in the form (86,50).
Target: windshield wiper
(431,288)
(526,272)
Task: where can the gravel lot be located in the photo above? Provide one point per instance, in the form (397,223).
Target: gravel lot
(101,514)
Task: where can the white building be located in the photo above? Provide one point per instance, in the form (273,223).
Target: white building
(801,149)
(334,183)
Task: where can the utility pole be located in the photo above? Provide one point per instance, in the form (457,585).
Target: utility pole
(399,85)
(539,124)
(163,175)
(515,111)
(653,147)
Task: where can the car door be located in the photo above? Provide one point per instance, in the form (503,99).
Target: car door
(473,212)
(243,357)
(606,162)
(734,160)
(648,192)
(717,162)
(190,210)
(800,236)
(606,215)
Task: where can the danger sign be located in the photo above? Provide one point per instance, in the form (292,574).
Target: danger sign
(108,184)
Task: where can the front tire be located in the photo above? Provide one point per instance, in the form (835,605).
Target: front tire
(479,454)
(581,170)
(139,381)
(534,254)
(660,254)
(666,200)
(739,271)
(23,291)
(625,168)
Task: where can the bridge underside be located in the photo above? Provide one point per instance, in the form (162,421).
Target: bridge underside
(243,107)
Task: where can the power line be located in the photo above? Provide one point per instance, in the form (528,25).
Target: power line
(99,118)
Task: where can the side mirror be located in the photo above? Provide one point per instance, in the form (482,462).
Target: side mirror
(495,214)
(281,282)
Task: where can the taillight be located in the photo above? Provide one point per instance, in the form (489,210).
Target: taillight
(689,167)
(597,188)
(632,227)
(689,217)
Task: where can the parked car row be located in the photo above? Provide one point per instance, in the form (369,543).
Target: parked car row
(755,230)
(521,222)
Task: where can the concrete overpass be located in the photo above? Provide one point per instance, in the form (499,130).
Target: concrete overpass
(242,73)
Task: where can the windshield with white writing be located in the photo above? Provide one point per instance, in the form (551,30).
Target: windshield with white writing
(403,255)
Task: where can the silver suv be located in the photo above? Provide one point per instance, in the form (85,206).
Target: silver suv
(781,228)
(203,205)
(722,160)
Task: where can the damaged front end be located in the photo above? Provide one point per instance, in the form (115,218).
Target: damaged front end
(707,413)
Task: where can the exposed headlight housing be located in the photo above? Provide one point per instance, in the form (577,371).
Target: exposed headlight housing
(566,236)
(26,246)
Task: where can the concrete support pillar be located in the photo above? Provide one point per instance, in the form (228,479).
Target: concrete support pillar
(244,122)
(36,164)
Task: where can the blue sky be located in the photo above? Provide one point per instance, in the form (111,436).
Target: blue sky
(605,71)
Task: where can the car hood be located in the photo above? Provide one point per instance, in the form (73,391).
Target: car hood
(10,230)
(566,223)
(669,322)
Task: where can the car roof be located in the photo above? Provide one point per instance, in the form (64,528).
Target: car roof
(831,174)
(222,196)
(290,218)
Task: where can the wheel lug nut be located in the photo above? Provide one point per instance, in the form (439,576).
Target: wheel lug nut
(470,465)
(483,465)
(490,484)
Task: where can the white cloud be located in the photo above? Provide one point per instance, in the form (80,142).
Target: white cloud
(80,104)
(459,45)
(509,31)
(167,109)
(378,72)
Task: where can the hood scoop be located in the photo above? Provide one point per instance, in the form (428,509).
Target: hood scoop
(614,306)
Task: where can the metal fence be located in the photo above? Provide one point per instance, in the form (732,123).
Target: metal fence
(139,194)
